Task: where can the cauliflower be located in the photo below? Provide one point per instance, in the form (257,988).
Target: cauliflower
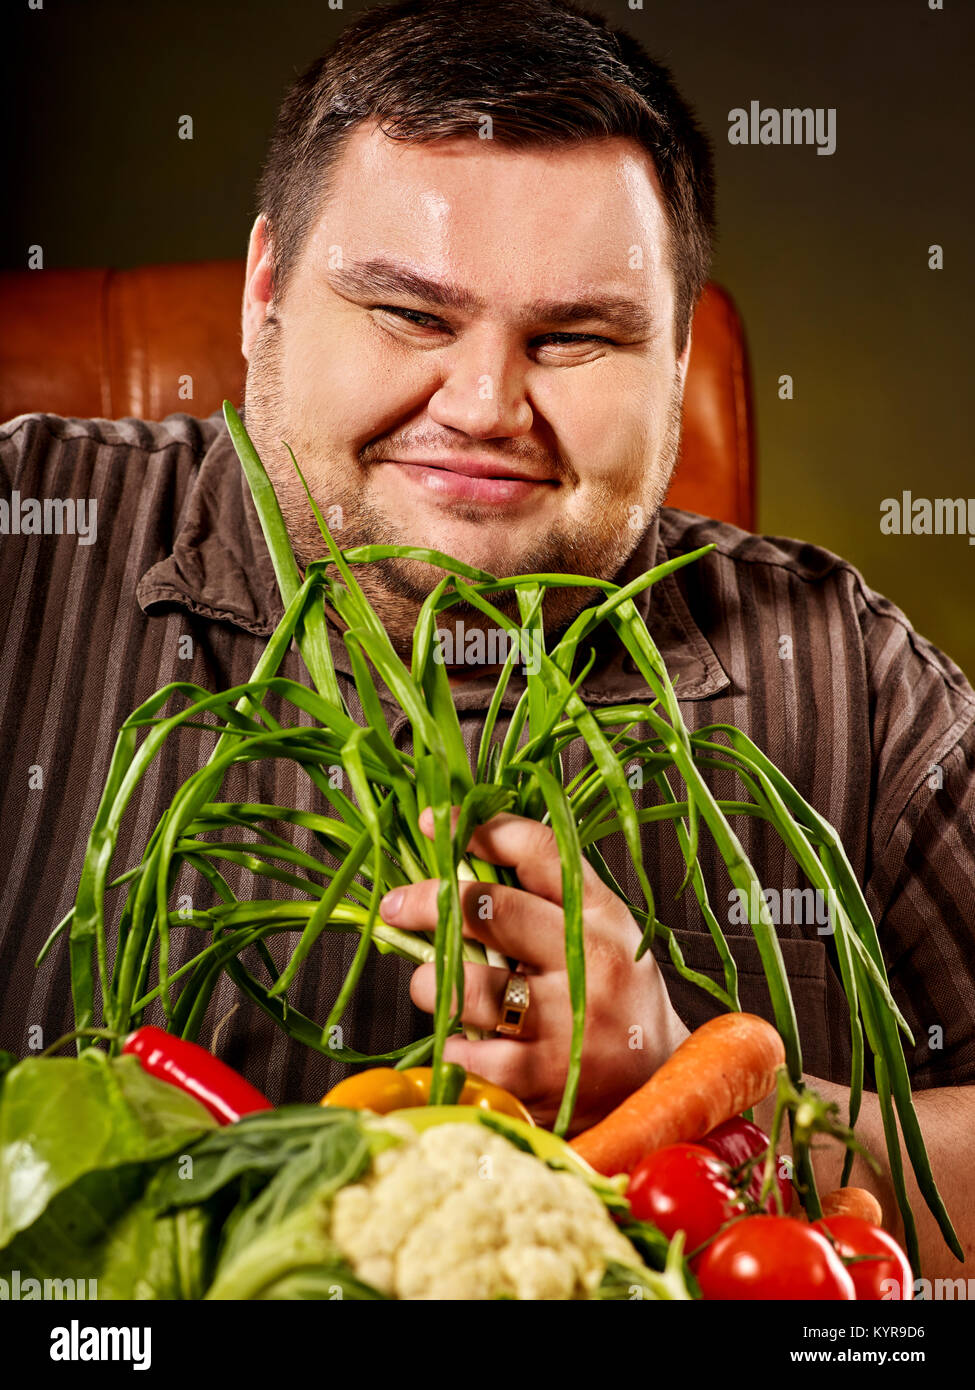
(457,1212)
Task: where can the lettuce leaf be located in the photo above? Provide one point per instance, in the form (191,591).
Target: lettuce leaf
(282,1169)
(245,1156)
(100,1239)
(64,1117)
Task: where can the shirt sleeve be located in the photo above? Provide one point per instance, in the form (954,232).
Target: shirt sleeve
(920,883)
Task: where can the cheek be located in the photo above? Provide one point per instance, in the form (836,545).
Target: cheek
(609,420)
(348,384)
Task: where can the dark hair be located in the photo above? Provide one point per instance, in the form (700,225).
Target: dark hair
(545,71)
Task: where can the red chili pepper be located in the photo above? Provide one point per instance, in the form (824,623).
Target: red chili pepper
(738,1140)
(223,1091)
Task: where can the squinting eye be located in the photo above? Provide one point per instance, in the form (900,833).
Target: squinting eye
(410,315)
(574,338)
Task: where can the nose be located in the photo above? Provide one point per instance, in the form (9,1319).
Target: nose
(483,389)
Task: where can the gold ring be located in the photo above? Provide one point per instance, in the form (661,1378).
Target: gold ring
(514,1006)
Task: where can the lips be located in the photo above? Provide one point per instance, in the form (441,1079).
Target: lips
(472,479)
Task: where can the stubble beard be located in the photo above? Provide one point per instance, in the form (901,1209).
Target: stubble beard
(396,587)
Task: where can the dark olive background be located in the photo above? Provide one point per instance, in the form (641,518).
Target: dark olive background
(826,256)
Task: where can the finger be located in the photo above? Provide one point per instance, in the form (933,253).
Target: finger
(512,1063)
(518,924)
(531,849)
(484,989)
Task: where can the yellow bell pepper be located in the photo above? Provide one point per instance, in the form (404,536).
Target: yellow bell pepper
(382,1089)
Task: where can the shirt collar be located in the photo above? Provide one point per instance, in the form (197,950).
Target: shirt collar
(220,568)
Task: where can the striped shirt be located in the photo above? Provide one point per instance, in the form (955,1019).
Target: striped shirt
(872,724)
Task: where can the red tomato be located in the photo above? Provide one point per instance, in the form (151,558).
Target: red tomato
(684,1188)
(735,1142)
(772,1257)
(872,1279)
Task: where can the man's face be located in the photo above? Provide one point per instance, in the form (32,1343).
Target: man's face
(475,353)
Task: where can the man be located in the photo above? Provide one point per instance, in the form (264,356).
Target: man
(483,230)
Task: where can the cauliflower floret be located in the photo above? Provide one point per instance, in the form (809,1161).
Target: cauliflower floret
(457,1212)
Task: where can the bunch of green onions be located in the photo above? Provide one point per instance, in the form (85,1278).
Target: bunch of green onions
(374,842)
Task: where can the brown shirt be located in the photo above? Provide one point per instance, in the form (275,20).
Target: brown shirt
(873,725)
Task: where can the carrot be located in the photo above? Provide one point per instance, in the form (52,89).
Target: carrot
(854,1201)
(725,1066)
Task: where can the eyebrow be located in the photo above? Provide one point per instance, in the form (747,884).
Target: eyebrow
(382,276)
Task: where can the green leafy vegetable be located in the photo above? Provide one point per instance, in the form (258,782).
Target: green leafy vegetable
(64,1117)
(248,1154)
(100,1238)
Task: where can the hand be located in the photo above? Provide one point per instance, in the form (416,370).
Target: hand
(631,1026)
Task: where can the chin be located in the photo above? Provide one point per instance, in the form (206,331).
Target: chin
(487,545)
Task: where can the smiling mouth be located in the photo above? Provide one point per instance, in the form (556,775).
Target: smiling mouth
(472,480)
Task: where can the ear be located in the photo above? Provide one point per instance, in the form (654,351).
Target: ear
(257,285)
(684,359)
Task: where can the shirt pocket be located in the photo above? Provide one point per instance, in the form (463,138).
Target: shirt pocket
(821,1009)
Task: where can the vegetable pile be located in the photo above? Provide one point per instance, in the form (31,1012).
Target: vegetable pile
(111,1175)
(114,1169)
(370,842)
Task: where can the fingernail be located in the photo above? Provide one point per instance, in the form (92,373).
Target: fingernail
(391,903)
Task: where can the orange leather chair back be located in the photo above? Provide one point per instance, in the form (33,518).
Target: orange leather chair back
(164,338)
